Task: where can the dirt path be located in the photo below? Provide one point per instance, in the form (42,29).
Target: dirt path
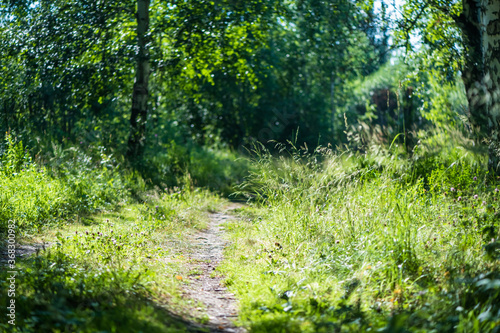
(205,284)
(22,251)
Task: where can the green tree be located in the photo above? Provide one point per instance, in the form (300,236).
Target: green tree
(298,59)
(65,67)
(73,61)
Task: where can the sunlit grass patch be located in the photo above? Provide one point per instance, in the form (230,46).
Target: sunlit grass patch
(354,242)
(73,184)
(116,274)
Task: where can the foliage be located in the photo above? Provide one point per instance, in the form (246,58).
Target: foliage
(238,72)
(73,183)
(445,102)
(216,168)
(298,69)
(375,110)
(402,99)
(110,274)
(353,242)
(66,67)
(441,40)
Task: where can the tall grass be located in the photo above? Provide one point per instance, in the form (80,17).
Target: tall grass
(68,183)
(347,241)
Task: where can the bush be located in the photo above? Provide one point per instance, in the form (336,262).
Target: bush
(217,169)
(71,183)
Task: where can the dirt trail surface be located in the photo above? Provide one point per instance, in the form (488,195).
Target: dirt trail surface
(22,251)
(205,284)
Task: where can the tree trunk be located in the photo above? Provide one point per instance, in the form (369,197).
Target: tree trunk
(473,73)
(138,116)
(491,53)
(480,25)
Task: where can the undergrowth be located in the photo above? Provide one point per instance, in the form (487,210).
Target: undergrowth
(216,168)
(71,183)
(117,271)
(376,241)
(115,242)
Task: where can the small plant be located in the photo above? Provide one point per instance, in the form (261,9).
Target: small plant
(15,157)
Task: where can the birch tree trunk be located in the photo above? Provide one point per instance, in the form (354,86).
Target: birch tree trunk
(480,25)
(138,116)
(491,54)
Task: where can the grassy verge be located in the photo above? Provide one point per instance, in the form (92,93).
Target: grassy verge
(68,182)
(117,254)
(115,271)
(71,184)
(355,243)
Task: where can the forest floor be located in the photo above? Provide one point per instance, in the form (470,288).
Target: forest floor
(206,285)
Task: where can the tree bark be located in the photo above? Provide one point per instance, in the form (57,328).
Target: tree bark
(491,52)
(139,113)
(480,26)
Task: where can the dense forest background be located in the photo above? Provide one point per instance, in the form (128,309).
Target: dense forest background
(226,74)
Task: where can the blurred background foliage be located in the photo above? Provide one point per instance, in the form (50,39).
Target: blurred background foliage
(224,74)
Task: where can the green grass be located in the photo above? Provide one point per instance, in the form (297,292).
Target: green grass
(70,184)
(354,243)
(117,271)
(119,247)
(331,241)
